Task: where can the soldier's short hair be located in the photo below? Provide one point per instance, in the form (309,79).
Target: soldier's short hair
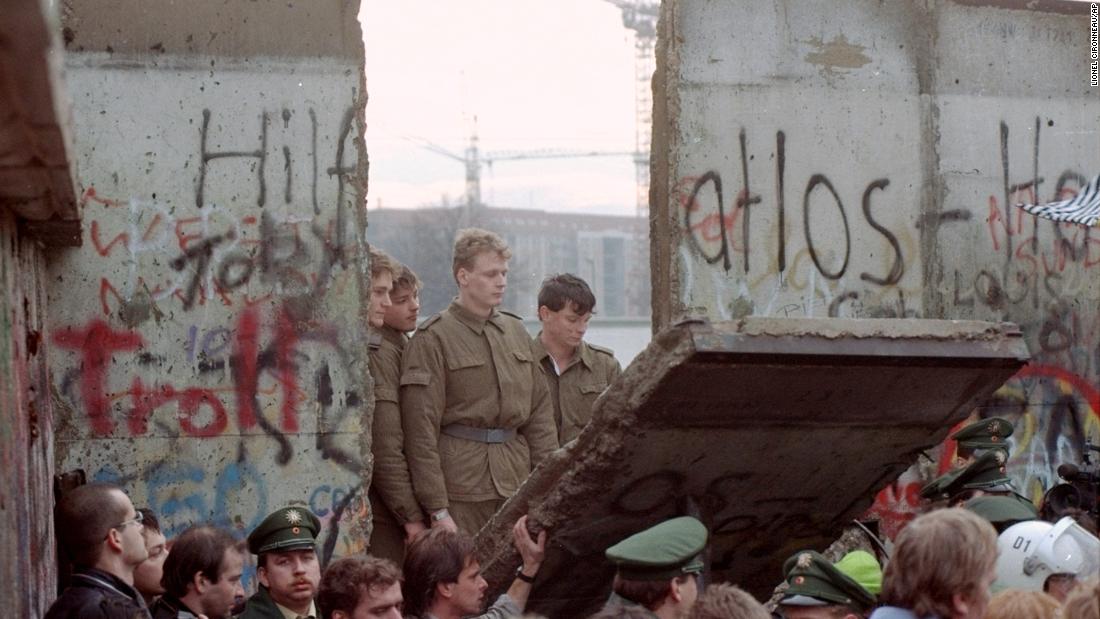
(84,517)
(648,593)
(565,288)
(726,601)
(347,579)
(406,278)
(471,242)
(381,262)
(622,611)
(434,556)
(937,555)
(198,550)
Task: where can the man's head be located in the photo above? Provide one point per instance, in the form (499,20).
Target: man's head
(1017,604)
(657,568)
(566,304)
(361,587)
(726,601)
(148,573)
(944,563)
(404,309)
(441,569)
(382,272)
(99,527)
(287,563)
(480,267)
(204,571)
(991,433)
(1036,555)
(1084,601)
(817,589)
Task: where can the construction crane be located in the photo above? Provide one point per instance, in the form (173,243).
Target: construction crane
(640,16)
(473,160)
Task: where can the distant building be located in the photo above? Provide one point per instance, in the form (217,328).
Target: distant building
(610,252)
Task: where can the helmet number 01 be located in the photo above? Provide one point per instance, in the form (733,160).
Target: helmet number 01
(1020,541)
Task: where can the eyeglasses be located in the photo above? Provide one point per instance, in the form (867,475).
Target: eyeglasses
(135,520)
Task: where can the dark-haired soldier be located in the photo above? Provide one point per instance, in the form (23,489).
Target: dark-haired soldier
(576,372)
(657,568)
(100,531)
(202,575)
(361,587)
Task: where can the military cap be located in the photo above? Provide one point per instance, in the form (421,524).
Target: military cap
(660,552)
(289,528)
(813,581)
(937,488)
(986,471)
(984,434)
(1001,511)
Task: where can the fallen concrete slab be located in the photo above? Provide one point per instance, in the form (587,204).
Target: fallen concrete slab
(775,432)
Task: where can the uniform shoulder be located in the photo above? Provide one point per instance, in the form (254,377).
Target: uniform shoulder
(427,324)
(512,314)
(602,349)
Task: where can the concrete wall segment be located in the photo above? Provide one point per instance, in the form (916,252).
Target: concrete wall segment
(861,159)
(210,347)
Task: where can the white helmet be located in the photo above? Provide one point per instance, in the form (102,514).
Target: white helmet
(1032,551)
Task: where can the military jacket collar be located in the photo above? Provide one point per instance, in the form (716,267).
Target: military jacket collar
(393,336)
(474,322)
(583,354)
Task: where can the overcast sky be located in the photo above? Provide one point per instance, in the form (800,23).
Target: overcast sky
(537,74)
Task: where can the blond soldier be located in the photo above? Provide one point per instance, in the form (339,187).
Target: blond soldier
(476,412)
(396,515)
(576,372)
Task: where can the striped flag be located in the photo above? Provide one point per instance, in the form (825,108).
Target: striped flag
(1084,208)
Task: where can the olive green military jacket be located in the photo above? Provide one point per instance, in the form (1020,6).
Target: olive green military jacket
(477,372)
(574,391)
(391,490)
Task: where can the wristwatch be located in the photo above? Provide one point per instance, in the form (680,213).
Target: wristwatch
(442,514)
(524,577)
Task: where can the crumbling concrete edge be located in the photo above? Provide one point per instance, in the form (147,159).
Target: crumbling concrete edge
(664,235)
(562,485)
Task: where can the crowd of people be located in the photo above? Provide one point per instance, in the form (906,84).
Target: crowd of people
(464,409)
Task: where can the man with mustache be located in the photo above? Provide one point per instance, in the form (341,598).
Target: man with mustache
(287,566)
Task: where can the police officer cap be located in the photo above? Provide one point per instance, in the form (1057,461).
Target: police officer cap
(664,551)
(937,488)
(289,528)
(986,471)
(984,434)
(1001,511)
(813,581)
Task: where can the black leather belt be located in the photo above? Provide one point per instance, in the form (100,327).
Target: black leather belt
(481,435)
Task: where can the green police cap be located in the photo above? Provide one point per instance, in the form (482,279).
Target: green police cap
(984,434)
(289,528)
(813,581)
(937,488)
(663,551)
(1001,511)
(986,471)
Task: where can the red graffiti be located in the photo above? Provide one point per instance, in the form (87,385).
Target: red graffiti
(96,342)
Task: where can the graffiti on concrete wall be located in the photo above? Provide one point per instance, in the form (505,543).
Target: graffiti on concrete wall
(800,243)
(216,368)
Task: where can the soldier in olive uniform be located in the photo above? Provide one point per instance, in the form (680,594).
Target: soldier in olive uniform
(287,566)
(396,516)
(657,568)
(971,441)
(576,372)
(476,412)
